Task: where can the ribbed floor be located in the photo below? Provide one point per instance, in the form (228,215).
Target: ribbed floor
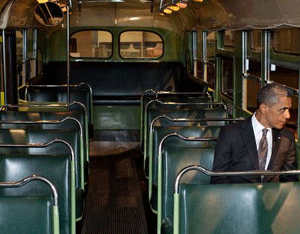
(114,200)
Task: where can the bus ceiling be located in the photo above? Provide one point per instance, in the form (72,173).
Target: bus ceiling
(204,14)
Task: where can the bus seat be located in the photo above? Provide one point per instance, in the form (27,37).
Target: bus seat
(193,111)
(44,213)
(239,208)
(164,96)
(20,136)
(78,117)
(56,169)
(158,133)
(81,93)
(131,79)
(197,113)
(177,152)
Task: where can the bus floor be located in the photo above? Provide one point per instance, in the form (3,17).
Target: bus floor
(117,191)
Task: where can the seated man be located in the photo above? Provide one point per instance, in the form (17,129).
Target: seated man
(260,142)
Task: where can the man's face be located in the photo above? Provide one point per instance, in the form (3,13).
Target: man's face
(277,115)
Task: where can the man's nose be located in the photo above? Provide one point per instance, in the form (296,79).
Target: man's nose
(287,114)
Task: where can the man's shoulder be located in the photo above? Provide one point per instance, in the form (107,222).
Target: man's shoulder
(238,125)
(284,132)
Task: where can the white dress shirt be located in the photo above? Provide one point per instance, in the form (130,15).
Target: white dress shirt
(257,128)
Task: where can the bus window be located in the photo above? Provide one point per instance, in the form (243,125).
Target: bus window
(255,40)
(290,78)
(284,40)
(211,54)
(227,39)
(253,85)
(20,64)
(140,44)
(227,77)
(91,44)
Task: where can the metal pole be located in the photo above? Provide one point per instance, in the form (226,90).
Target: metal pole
(68,53)
(4,66)
(244,70)
(204,54)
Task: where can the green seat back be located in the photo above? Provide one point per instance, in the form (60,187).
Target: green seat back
(56,169)
(240,208)
(81,93)
(158,134)
(42,136)
(24,214)
(175,110)
(200,113)
(178,154)
(79,115)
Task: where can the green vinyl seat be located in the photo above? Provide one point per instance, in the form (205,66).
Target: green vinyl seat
(165,96)
(78,121)
(269,208)
(20,136)
(29,214)
(171,109)
(177,152)
(57,169)
(157,135)
(81,93)
(187,112)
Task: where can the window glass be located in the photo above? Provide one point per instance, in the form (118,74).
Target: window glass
(211,54)
(255,40)
(290,78)
(20,64)
(253,87)
(229,38)
(227,77)
(284,40)
(91,44)
(140,44)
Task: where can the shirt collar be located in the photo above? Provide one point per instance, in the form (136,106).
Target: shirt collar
(257,126)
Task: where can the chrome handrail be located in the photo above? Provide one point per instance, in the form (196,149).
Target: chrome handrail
(229,173)
(29,179)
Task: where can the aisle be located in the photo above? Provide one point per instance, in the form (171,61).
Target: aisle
(114,200)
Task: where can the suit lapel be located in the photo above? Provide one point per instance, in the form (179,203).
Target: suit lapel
(275,144)
(249,139)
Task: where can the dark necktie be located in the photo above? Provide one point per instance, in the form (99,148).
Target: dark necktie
(263,150)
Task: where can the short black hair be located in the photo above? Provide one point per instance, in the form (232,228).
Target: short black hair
(271,93)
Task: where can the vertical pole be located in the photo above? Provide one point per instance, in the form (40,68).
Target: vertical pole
(244,69)
(68,54)
(4,66)
(195,48)
(204,54)
(266,58)
(35,52)
(24,58)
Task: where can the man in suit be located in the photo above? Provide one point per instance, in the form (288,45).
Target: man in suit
(246,146)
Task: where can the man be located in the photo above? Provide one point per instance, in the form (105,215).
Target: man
(260,142)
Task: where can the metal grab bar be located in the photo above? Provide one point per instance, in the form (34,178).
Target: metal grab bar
(51,105)
(44,122)
(214,104)
(42,145)
(191,120)
(29,179)
(237,173)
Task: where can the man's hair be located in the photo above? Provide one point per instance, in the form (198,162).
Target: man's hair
(271,93)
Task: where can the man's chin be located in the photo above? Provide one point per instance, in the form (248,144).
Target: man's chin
(280,126)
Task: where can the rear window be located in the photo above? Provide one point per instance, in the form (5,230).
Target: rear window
(284,40)
(91,44)
(140,44)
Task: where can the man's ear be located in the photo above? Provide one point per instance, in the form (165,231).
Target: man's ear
(263,108)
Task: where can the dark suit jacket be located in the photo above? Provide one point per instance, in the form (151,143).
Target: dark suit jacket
(236,151)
